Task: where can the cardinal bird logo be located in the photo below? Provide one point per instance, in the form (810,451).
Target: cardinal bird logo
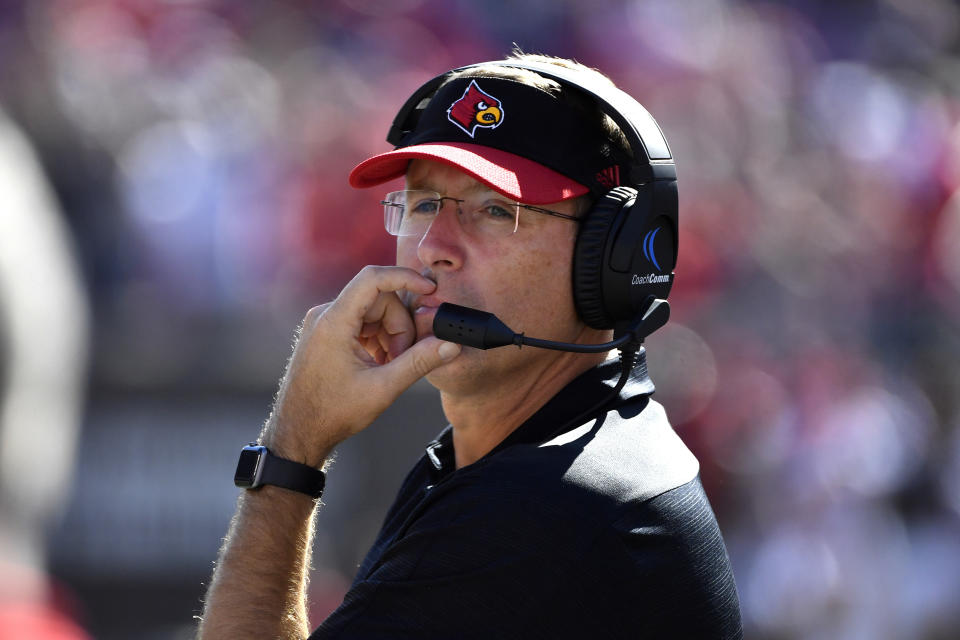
(475,108)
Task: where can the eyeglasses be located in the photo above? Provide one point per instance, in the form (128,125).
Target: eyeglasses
(485,213)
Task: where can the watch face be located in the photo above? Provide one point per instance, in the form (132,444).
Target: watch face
(247,467)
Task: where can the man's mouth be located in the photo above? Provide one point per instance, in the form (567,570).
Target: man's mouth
(423,304)
(424,308)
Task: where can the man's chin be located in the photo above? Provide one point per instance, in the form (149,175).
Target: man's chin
(446,376)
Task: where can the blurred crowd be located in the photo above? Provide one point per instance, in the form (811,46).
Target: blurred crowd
(197,151)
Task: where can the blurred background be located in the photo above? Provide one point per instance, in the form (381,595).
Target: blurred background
(173,198)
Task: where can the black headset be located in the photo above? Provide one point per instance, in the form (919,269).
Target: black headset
(626,249)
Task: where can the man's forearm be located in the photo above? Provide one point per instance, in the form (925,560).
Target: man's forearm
(258,589)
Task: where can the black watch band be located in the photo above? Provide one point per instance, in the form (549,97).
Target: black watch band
(257,467)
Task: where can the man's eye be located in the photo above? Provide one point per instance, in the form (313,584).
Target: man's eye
(425,207)
(498,211)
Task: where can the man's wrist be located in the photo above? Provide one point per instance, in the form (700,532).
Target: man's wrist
(317,461)
(258,466)
(282,438)
(280,500)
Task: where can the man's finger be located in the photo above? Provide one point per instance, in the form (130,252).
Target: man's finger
(369,329)
(363,291)
(418,361)
(390,314)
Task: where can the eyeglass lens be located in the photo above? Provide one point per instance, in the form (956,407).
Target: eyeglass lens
(411,212)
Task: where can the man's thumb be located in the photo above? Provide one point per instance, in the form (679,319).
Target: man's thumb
(422,358)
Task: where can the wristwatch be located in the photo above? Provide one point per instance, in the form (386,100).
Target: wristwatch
(257,467)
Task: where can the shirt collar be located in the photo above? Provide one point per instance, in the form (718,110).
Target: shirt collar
(581,393)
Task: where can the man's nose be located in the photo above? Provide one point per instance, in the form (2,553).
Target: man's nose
(441,246)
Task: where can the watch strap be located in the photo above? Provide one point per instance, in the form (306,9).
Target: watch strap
(292,475)
(258,466)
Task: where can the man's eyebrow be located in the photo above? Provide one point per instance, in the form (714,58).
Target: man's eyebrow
(426,185)
(420,184)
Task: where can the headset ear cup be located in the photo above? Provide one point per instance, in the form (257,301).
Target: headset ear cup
(588,257)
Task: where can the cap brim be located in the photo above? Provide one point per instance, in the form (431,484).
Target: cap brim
(515,176)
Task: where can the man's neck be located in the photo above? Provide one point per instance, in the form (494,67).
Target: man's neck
(482,421)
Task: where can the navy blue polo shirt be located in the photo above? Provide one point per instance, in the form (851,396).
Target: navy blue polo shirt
(602,530)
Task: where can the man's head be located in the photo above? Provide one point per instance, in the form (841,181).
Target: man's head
(535,139)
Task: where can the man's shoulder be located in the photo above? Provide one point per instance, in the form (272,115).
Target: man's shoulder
(570,489)
(629,456)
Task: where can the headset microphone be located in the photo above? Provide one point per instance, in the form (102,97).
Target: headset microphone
(482,330)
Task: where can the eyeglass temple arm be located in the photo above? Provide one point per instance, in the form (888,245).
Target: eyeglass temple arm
(549,212)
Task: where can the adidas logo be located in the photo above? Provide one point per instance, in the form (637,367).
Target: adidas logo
(609,177)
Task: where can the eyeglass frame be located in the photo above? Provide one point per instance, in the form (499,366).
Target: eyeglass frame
(440,198)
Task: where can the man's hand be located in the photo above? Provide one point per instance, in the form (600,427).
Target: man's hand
(353,358)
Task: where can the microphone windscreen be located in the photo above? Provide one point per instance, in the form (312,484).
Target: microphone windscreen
(470,327)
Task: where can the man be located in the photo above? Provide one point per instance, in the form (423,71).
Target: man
(552,506)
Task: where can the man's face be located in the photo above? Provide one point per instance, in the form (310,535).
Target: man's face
(523,278)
